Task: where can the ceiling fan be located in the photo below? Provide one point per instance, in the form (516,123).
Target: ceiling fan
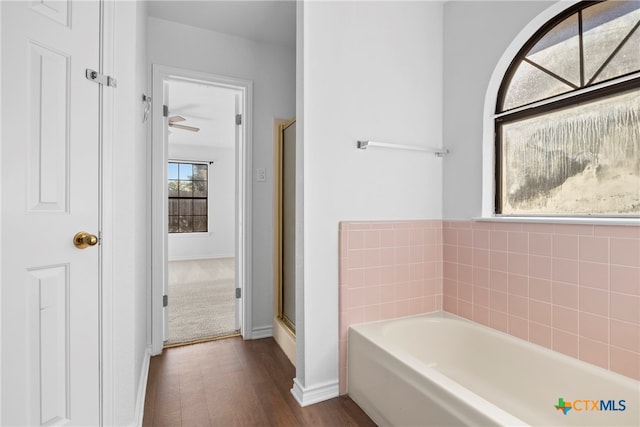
(173,120)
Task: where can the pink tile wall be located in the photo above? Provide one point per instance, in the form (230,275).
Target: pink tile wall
(387,269)
(571,288)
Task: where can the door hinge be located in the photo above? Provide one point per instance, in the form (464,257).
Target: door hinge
(238,119)
(165,300)
(99,78)
(238,292)
(165,111)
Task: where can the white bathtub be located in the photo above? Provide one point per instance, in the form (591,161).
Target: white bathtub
(441,370)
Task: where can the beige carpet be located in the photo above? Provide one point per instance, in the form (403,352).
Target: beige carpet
(201,299)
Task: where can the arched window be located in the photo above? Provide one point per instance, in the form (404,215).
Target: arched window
(568,117)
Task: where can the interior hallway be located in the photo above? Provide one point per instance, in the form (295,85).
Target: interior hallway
(232,382)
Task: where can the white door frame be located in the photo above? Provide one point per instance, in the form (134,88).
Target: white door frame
(0,217)
(109,15)
(159,208)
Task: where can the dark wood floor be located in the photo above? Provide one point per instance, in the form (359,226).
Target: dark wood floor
(232,382)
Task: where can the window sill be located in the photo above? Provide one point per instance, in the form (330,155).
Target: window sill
(192,235)
(561,220)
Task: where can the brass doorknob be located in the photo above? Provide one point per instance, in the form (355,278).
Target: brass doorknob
(83,239)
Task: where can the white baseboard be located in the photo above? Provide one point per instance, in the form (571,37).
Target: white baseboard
(306,396)
(262,332)
(138,415)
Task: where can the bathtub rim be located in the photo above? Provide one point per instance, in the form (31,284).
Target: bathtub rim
(444,383)
(441,314)
(370,331)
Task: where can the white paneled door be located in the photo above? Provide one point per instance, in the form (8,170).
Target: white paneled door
(50,191)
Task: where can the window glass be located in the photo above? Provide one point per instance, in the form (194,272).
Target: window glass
(188,197)
(172,171)
(558,52)
(624,61)
(531,84)
(568,117)
(606,25)
(579,160)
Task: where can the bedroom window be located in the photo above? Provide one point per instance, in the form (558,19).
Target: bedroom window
(568,117)
(188,197)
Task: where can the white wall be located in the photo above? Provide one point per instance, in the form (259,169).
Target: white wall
(476,34)
(1,400)
(372,70)
(219,242)
(272,70)
(129,250)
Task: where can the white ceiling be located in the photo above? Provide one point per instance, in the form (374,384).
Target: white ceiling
(209,108)
(265,21)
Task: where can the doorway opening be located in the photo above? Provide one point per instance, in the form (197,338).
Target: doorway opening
(200,213)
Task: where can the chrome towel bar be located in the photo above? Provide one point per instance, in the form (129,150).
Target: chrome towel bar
(439,152)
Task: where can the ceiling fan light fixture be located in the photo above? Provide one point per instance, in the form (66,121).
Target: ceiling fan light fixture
(175,119)
(189,128)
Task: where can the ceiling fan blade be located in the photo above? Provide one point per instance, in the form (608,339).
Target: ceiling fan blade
(189,128)
(175,119)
